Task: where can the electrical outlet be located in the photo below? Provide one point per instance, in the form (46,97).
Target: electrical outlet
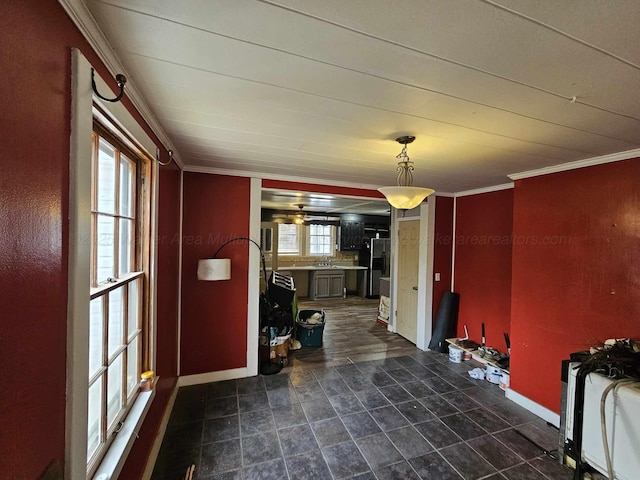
(437,277)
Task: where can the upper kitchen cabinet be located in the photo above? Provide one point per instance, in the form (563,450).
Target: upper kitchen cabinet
(355,230)
(351,234)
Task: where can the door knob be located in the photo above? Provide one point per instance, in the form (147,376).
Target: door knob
(415,288)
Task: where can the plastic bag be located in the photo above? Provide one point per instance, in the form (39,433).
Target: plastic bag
(477,373)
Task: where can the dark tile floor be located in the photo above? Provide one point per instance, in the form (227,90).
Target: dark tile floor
(409,417)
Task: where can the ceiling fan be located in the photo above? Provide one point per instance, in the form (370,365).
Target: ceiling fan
(297,218)
(301,218)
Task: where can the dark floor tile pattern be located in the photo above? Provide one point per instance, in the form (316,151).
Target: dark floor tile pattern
(413,416)
(321,427)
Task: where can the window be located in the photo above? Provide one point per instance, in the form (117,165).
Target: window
(118,271)
(309,240)
(321,240)
(288,239)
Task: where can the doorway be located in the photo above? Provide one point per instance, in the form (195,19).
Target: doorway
(352,328)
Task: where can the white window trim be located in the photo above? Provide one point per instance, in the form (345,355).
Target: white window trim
(308,243)
(300,236)
(82,99)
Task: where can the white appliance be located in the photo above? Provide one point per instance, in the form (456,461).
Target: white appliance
(622,413)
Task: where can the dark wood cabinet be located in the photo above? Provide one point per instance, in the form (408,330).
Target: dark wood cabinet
(351,234)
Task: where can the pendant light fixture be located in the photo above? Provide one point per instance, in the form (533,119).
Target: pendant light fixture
(405,196)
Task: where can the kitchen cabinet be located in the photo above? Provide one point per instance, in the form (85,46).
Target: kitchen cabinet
(326,284)
(351,235)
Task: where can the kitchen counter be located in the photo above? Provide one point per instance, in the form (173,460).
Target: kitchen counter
(305,276)
(318,267)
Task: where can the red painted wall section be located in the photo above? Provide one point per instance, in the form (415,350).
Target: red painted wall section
(168,247)
(484,224)
(443,246)
(214,314)
(576,270)
(34,134)
(35,55)
(312,187)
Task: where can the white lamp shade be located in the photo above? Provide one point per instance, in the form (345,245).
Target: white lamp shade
(212,269)
(405,198)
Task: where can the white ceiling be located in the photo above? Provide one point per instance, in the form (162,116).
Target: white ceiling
(317,90)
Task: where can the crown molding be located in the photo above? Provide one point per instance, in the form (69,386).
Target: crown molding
(79,13)
(588,162)
(477,191)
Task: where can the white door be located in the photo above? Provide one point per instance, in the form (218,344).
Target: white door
(408,256)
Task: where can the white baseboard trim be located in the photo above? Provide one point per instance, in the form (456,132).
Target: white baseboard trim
(535,408)
(208,377)
(157,442)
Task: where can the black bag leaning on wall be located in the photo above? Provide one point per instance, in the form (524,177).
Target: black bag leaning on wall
(446,322)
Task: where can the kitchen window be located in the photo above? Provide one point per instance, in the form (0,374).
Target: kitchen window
(306,240)
(118,325)
(322,240)
(289,239)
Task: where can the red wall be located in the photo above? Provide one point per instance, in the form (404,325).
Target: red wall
(35,51)
(443,246)
(576,270)
(214,314)
(484,224)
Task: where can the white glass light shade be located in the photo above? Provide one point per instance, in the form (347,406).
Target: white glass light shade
(213,269)
(405,198)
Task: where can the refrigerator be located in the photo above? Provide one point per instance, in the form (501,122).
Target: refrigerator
(376,257)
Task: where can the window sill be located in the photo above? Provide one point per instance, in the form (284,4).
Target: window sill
(116,456)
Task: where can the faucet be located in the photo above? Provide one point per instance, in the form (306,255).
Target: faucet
(324,262)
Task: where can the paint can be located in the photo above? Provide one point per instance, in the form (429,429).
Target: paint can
(466,355)
(455,354)
(493,374)
(505,380)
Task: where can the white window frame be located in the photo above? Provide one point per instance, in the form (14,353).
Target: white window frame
(299,236)
(104,286)
(332,241)
(304,242)
(79,268)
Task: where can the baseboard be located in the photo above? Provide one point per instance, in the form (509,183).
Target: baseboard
(157,442)
(208,377)
(535,408)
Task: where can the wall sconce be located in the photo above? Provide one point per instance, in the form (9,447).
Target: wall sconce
(214,269)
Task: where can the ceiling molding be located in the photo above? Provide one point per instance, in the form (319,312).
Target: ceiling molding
(79,13)
(444,194)
(477,191)
(287,178)
(589,162)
